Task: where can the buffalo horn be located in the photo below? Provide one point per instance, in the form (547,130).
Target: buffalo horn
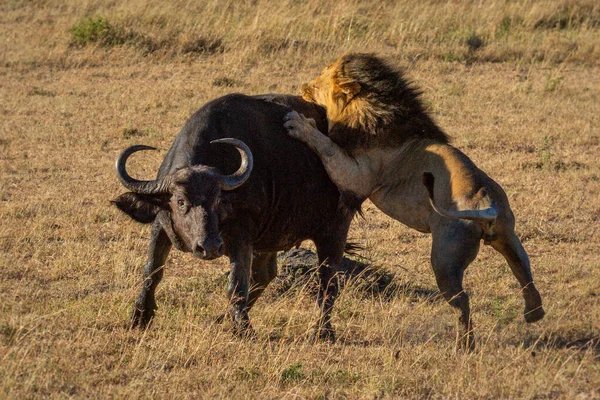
(236,179)
(160,186)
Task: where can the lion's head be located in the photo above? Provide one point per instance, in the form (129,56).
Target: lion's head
(366,99)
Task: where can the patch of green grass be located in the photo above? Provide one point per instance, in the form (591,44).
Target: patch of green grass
(502,314)
(449,57)
(545,152)
(90,30)
(99,30)
(292,373)
(503,28)
(552,84)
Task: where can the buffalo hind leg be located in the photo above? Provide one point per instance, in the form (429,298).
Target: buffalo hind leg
(511,248)
(145,304)
(455,245)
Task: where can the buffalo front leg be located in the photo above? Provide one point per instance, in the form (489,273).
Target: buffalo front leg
(240,256)
(264,270)
(330,250)
(511,248)
(145,304)
(455,245)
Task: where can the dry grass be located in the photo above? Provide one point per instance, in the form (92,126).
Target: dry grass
(516,84)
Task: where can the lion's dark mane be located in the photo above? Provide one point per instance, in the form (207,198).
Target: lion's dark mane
(388,107)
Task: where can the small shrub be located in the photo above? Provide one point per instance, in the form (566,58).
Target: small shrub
(99,30)
(90,30)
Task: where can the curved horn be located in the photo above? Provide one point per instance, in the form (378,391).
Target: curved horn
(160,186)
(236,179)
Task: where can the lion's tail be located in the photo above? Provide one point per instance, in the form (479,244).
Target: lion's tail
(486,215)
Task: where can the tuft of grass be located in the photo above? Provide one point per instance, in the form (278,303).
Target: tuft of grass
(545,153)
(552,83)
(474,42)
(8,334)
(41,92)
(224,81)
(502,314)
(129,133)
(203,45)
(503,28)
(292,373)
(450,57)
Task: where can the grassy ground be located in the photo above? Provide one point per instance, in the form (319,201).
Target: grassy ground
(517,85)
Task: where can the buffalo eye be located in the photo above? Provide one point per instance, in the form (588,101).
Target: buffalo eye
(181,204)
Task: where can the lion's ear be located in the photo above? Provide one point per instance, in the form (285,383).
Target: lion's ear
(350,89)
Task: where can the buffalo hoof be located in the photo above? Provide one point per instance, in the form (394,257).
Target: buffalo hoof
(534,315)
(242,328)
(323,335)
(466,342)
(247,333)
(140,318)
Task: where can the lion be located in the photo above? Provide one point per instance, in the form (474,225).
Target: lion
(381,144)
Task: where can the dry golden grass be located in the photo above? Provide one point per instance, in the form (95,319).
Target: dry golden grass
(516,84)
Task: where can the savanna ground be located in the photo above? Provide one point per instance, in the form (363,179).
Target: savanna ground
(517,85)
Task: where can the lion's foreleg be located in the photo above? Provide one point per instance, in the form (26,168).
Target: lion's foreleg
(348,173)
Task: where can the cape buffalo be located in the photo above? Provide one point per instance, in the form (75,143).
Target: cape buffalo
(211,200)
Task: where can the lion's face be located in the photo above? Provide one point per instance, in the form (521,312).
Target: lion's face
(320,89)
(332,89)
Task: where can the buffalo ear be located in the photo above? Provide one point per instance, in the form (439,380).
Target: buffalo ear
(142,208)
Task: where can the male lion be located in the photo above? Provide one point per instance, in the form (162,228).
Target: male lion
(383,145)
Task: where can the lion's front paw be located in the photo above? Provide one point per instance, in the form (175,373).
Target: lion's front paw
(298,126)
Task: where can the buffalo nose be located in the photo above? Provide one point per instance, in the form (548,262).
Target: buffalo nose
(210,248)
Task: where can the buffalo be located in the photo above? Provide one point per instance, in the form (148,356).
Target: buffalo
(234,183)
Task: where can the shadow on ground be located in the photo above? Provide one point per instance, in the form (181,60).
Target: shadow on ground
(298,272)
(591,344)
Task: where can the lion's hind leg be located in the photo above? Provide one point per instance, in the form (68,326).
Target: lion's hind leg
(455,245)
(509,245)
